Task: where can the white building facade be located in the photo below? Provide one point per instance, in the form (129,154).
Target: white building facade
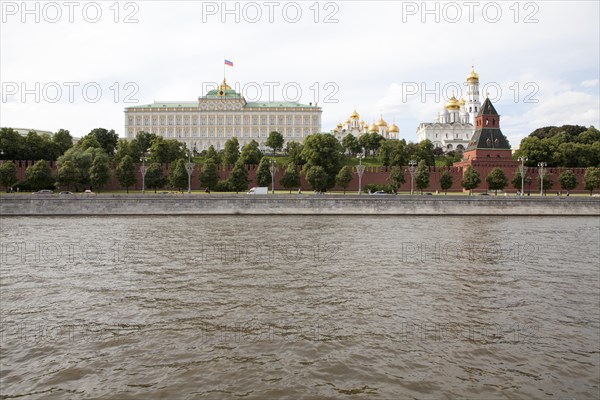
(220,115)
(454,126)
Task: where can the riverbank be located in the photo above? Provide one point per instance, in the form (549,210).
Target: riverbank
(169,204)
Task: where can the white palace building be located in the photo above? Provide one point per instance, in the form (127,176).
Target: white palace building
(220,115)
(454,126)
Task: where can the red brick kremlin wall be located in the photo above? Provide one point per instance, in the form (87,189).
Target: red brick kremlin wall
(377,175)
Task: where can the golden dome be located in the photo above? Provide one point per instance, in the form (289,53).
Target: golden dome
(354,115)
(381,122)
(452,104)
(462,101)
(223,87)
(347,122)
(373,128)
(394,129)
(362,123)
(473,76)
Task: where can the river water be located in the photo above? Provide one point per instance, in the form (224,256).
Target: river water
(300,307)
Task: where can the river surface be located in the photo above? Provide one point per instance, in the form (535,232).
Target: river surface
(300,307)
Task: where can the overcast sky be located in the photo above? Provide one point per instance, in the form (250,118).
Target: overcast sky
(539,61)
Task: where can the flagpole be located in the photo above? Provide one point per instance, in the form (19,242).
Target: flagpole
(223,68)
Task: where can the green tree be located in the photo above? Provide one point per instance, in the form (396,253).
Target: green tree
(317,177)
(496,180)
(263,174)
(12,144)
(144,141)
(251,154)
(568,181)
(294,151)
(129,148)
(100,171)
(67,174)
(470,180)
(344,177)
(126,172)
(39,176)
(547,183)
(350,144)
(63,141)
(396,178)
(323,150)
(374,142)
(106,139)
(238,179)
(209,175)
(291,177)
(446,181)
(422,176)
(592,179)
(516,181)
(178,176)
(231,151)
(88,142)
(155,178)
(275,141)
(38,147)
(166,151)
(8,174)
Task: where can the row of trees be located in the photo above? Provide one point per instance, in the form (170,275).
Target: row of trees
(568,146)
(33,146)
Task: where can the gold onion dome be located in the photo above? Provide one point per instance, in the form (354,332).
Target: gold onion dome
(462,101)
(373,128)
(394,128)
(362,123)
(347,122)
(354,115)
(381,122)
(473,76)
(452,104)
(339,125)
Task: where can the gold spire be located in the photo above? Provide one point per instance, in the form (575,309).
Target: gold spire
(223,86)
(473,76)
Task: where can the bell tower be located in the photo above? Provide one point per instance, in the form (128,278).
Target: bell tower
(472,105)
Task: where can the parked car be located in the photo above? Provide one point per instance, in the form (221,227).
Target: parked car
(483,194)
(66,192)
(44,191)
(379,192)
(88,191)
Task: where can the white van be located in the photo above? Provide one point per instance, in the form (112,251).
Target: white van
(258,190)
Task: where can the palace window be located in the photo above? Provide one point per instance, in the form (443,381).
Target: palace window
(263,120)
(194,120)
(179,120)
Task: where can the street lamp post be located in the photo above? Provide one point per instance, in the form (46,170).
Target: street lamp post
(190,169)
(412,167)
(541,166)
(273,170)
(143,170)
(360,169)
(523,170)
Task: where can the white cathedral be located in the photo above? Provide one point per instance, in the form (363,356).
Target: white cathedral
(355,126)
(454,126)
